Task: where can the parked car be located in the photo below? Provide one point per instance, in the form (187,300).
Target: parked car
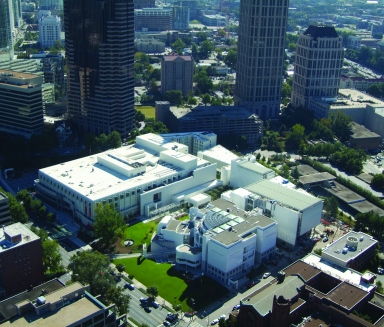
(237,306)
(222,317)
(166,323)
(129,286)
(142,300)
(266,275)
(215,321)
(380,271)
(147,309)
(155,305)
(325,239)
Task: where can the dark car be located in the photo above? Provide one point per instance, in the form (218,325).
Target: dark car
(146,309)
(142,300)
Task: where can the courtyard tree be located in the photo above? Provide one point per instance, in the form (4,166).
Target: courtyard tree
(109,224)
(152,292)
(114,140)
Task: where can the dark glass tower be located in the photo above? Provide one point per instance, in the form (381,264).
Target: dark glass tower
(260,58)
(6,24)
(99,40)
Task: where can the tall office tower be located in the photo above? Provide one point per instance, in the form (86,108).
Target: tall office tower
(177,73)
(49,30)
(99,41)
(180,18)
(260,58)
(140,4)
(6,25)
(318,63)
(17,14)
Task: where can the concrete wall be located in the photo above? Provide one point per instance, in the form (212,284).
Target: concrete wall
(287,220)
(311,217)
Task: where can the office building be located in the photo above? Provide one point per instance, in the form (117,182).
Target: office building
(260,58)
(6,27)
(214,20)
(221,240)
(191,4)
(21,259)
(221,120)
(99,41)
(154,19)
(22,103)
(140,4)
(51,4)
(49,30)
(177,73)
(17,13)
(149,46)
(295,211)
(157,174)
(180,18)
(5,218)
(353,250)
(54,304)
(318,63)
(358,83)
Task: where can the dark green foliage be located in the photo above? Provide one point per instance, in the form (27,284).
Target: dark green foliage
(378,181)
(367,57)
(376,90)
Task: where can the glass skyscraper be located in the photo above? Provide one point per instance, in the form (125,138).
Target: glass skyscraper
(99,40)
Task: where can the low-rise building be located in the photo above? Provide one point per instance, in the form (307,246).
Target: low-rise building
(353,250)
(156,173)
(295,211)
(358,82)
(222,240)
(53,304)
(221,120)
(149,46)
(21,259)
(363,138)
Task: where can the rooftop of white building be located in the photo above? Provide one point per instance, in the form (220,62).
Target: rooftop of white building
(220,153)
(113,171)
(342,273)
(349,246)
(15,235)
(287,197)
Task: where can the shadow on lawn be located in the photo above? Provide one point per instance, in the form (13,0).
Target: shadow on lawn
(203,290)
(140,260)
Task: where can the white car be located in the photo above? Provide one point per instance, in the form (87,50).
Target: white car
(266,275)
(214,322)
(222,317)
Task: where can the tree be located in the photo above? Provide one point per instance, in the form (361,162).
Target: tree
(331,206)
(174,97)
(378,181)
(286,91)
(206,98)
(203,83)
(16,210)
(156,127)
(91,268)
(108,225)
(116,295)
(152,292)
(206,48)
(120,267)
(376,90)
(295,173)
(139,116)
(202,36)
(178,46)
(231,58)
(285,171)
(192,101)
(295,135)
(114,140)
(341,125)
(155,74)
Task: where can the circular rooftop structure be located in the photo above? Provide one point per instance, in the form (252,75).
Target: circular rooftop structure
(216,219)
(352,241)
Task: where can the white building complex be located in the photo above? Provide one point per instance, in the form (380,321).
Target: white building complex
(49,30)
(148,178)
(222,240)
(295,211)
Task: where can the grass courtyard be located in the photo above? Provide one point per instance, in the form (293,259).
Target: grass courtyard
(148,111)
(140,233)
(172,285)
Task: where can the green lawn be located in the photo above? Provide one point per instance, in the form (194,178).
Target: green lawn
(171,285)
(140,233)
(148,111)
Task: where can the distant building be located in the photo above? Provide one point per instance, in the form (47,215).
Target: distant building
(149,46)
(222,120)
(21,259)
(140,4)
(318,63)
(180,18)
(354,42)
(5,218)
(22,103)
(154,19)
(53,304)
(177,73)
(17,13)
(363,138)
(51,4)
(214,20)
(49,30)
(191,4)
(6,27)
(358,82)
(295,211)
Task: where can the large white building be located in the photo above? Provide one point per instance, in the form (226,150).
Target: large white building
(147,178)
(222,240)
(49,30)
(295,211)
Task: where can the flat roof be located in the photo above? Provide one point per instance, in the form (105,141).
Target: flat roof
(13,230)
(305,270)
(365,206)
(220,153)
(65,316)
(227,237)
(262,300)
(361,132)
(316,178)
(173,224)
(306,170)
(256,167)
(335,249)
(8,306)
(344,193)
(287,197)
(173,57)
(342,273)
(347,295)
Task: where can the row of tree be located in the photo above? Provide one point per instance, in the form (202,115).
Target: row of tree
(367,57)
